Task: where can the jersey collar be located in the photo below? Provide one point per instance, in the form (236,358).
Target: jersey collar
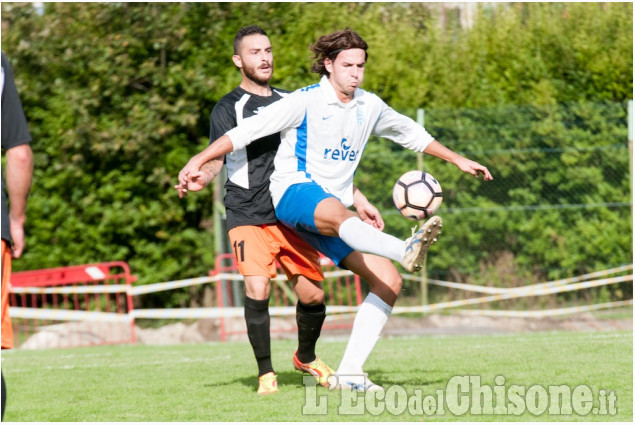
(331,96)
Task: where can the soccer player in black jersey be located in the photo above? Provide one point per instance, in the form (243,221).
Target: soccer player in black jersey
(257,237)
(19,165)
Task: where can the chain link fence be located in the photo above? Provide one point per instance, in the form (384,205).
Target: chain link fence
(560,203)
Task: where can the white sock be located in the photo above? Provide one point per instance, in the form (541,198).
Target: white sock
(365,238)
(369,322)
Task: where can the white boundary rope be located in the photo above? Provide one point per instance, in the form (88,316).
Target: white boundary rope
(497,294)
(526,292)
(493,290)
(545,313)
(67,315)
(175,284)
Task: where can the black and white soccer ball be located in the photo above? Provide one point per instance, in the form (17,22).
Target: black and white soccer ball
(417,195)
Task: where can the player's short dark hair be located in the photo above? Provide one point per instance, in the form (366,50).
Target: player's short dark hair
(329,46)
(244,32)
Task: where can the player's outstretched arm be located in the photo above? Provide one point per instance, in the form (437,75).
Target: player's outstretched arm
(466,165)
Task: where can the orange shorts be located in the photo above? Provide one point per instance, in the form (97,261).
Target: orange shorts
(7,329)
(257,247)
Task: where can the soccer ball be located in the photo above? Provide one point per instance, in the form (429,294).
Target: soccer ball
(417,195)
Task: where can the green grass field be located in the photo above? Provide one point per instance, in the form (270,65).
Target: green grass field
(216,382)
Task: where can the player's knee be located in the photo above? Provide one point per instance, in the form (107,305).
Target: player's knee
(315,298)
(388,288)
(395,283)
(329,216)
(318,299)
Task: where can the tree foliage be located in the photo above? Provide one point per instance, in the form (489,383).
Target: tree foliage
(118,97)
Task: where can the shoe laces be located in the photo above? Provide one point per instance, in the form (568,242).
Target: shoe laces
(319,365)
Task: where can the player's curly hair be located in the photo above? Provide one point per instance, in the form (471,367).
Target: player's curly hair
(244,32)
(329,46)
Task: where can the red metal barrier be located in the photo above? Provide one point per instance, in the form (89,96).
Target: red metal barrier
(92,304)
(343,289)
(72,306)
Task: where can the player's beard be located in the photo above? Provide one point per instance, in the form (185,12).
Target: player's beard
(252,74)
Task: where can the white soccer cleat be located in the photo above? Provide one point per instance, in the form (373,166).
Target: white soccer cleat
(417,245)
(357,382)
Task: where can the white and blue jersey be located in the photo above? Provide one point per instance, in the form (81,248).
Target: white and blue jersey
(322,139)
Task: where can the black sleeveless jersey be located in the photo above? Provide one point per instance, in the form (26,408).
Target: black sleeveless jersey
(247,199)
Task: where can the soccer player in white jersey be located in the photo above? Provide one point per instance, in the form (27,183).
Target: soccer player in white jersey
(257,237)
(324,129)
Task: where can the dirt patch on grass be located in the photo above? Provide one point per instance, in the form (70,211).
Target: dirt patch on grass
(434,324)
(437,324)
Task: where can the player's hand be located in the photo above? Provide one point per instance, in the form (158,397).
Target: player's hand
(193,182)
(186,171)
(371,215)
(182,187)
(184,178)
(198,180)
(367,211)
(17,237)
(474,168)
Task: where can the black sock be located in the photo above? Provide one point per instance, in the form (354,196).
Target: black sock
(258,324)
(4,395)
(309,319)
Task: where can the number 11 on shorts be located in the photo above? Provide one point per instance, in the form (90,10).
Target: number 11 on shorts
(240,245)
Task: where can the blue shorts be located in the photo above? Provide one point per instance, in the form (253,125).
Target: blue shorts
(296,210)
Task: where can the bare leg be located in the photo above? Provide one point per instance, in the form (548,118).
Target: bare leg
(257,287)
(380,273)
(308,291)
